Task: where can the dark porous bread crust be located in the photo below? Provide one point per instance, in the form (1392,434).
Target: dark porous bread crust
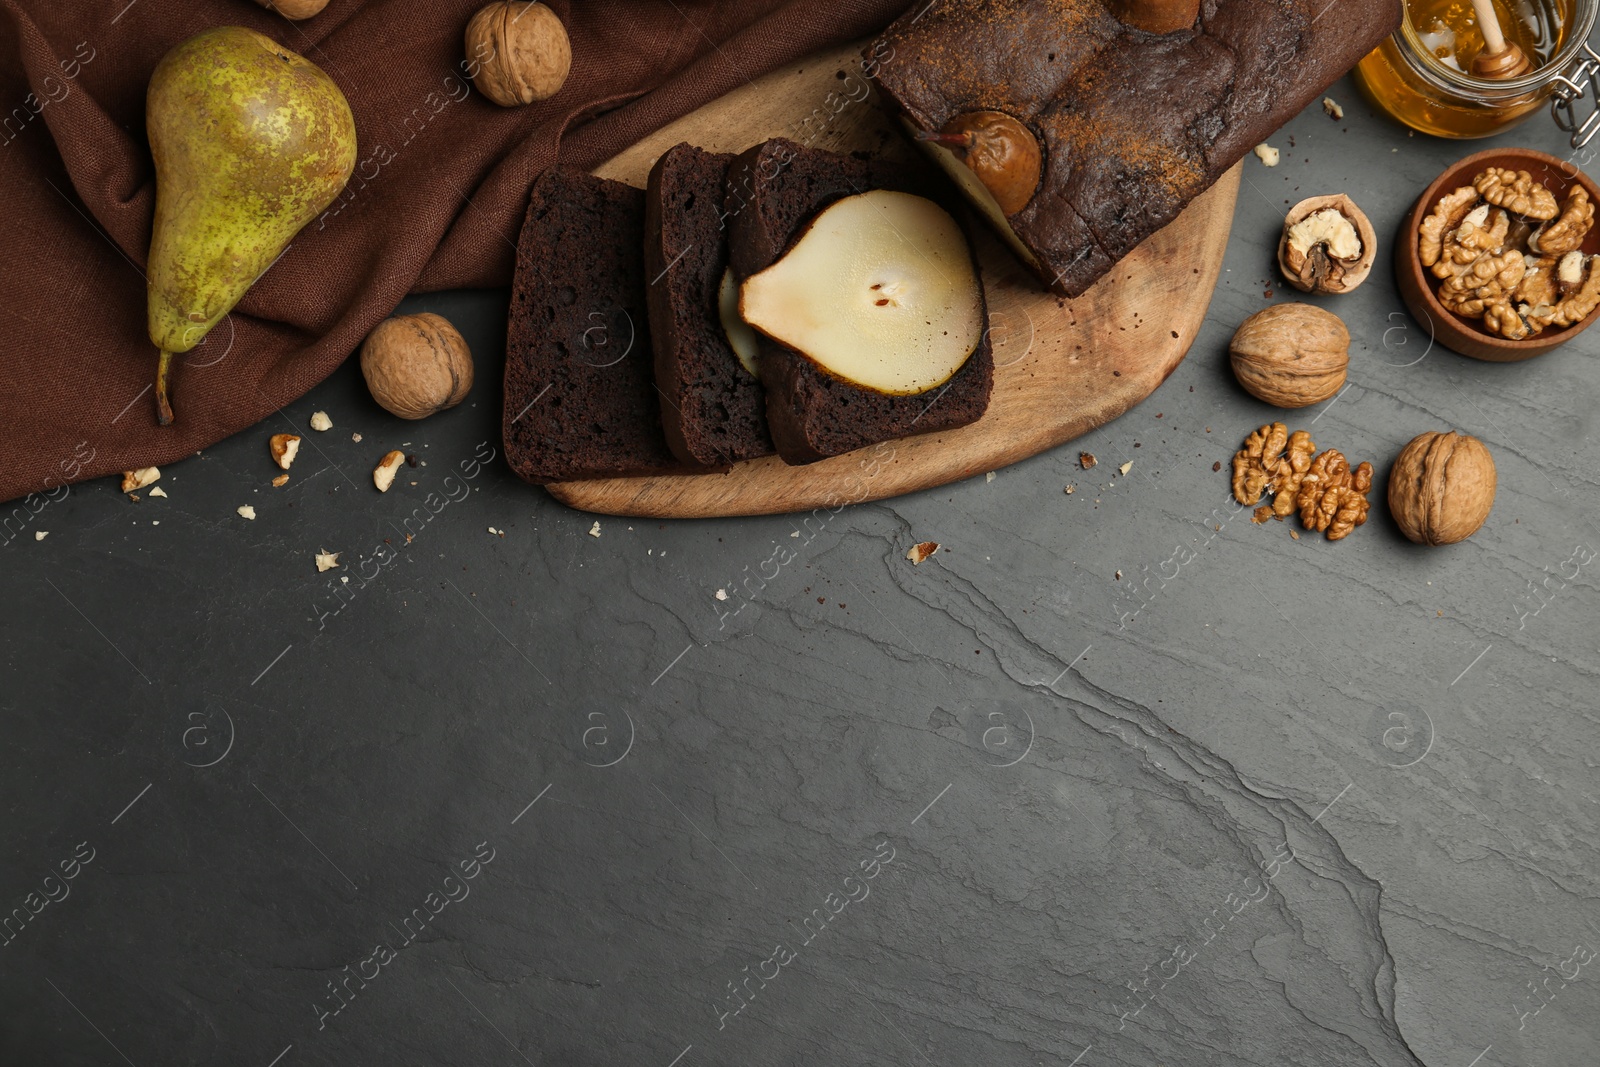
(1131,125)
(580,396)
(773,190)
(712,410)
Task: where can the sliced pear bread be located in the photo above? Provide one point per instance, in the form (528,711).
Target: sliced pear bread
(773,191)
(580,395)
(713,409)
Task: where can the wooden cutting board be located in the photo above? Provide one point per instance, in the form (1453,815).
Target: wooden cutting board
(1062,367)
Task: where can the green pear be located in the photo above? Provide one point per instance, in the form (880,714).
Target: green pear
(251,142)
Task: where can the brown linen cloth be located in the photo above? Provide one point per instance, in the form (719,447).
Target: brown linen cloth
(436,201)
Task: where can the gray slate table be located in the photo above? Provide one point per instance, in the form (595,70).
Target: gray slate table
(539,796)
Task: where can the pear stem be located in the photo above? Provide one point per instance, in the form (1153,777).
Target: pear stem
(163,375)
(955,140)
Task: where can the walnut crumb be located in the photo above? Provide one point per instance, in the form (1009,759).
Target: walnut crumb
(921,551)
(1086,460)
(138,479)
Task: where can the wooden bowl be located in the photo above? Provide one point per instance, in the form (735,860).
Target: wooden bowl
(1418,287)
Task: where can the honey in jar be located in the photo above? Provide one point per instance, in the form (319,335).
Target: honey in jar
(1422,77)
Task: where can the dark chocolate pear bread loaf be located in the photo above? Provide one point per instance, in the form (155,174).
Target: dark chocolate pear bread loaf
(1124,127)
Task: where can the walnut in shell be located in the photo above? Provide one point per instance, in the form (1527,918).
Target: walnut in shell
(294,9)
(1291,355)
(416,365)
(1517,192)
(519,52)
(1441,487)
(1328,246)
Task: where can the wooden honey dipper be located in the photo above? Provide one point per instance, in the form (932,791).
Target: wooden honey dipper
(1500,58)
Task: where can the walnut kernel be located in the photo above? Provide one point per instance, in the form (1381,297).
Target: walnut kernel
(1516,191)
(1445,217)
(1333,498)
(1579,299)
(383,474)
(138,479)
(284,447)
(1566,233)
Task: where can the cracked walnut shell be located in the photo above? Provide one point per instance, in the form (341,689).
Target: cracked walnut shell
(1441,487)
(1291,355)
(1328,245)
(1517,192)
(1333,498)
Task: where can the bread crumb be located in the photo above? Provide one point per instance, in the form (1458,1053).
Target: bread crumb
(158,491)
(1069,490)
(1267,154)
(1331,106)
(247,512)
(594,531)
(40,535)
(722,594)
(326,561)
(356,438)
(320,421)
(1126,467)
(987,478)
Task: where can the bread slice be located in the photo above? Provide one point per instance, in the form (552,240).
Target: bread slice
(580,395)
(713,410)
(773,190)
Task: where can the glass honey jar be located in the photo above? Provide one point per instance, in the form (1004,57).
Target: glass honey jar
(1419,76)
